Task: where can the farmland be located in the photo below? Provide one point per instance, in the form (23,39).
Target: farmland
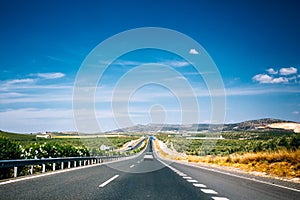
(235,142)
(88,146)
(271,153)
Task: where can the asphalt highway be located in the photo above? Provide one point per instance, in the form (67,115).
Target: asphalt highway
(137,178)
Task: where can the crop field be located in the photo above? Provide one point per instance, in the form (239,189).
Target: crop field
(234,142)
(18,146)
(273,153)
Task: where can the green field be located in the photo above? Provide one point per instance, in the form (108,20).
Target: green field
(235,142)
(23,138)
(27,146)
(15,146)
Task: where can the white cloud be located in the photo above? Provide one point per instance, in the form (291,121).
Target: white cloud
(272,71)
(26,120)
(246,91)
(173,63)
(288,71)
(176,63)
(280,80)
(264,78)
(193,51)
(285,75)
(18,81)
(124,62)
(296,112)
(50,75)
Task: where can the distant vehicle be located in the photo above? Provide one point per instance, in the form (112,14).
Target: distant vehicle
(148,156)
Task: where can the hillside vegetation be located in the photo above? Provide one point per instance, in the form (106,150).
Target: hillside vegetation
(23,146)
(271,153)
(19,146)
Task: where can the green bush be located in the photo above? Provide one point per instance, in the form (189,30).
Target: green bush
(53,150)
(9,149)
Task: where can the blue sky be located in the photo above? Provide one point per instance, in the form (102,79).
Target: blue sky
(254,44)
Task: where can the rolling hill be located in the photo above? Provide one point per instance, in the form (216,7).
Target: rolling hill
(251,125)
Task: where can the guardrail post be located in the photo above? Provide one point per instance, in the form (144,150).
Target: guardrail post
(15,172)
(52,162)
(31,169)
(43,168)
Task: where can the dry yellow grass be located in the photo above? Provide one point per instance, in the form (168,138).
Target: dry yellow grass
(280,163)
(164,154)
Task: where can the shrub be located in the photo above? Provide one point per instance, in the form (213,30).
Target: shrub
(8,150)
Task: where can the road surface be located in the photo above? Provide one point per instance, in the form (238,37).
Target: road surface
(137,178)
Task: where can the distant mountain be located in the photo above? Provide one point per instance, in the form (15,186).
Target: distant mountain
(251,125)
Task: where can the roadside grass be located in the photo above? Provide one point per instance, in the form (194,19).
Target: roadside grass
(280,163)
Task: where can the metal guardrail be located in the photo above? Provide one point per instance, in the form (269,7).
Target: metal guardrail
(77,161)
(81,161)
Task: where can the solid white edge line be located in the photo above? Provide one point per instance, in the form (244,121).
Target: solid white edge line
(238,176)
(109,180)
(50,173)
(63,171)
(71,169)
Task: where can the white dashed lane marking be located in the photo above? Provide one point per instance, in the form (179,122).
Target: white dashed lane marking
(199,185)
(108,181)
(209,191)
(219,198)
(195,183)
(131,166)
(192,180)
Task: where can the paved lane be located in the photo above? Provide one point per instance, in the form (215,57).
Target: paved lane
(137,178)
